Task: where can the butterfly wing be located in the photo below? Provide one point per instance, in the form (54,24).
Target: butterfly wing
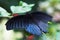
(43,26)
(33,29)
(41,19)
(18,22)
(15,23)
(34,23)
(41,16)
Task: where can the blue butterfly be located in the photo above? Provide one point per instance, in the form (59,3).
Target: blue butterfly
(35,23)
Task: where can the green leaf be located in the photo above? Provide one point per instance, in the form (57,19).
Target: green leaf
(3,12)
(22,8)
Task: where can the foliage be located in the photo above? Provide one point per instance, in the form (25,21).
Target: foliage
(22,8)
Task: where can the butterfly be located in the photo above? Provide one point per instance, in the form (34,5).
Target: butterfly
(34,23)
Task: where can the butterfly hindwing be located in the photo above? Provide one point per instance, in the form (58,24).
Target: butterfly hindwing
(33,29)
(41,19)
(43,26)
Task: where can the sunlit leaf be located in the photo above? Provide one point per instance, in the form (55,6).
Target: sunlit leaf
(23,7)
(3,12)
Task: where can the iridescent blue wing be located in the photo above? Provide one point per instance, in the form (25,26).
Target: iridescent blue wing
(33,29)
(41,19)
(43,26)
(39,22)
